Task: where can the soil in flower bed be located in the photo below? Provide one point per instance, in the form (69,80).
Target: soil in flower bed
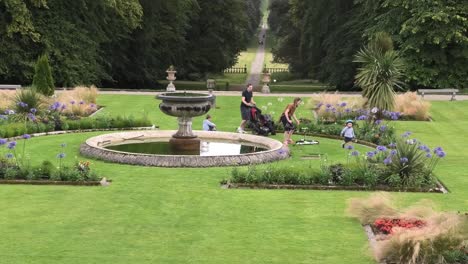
(439,189)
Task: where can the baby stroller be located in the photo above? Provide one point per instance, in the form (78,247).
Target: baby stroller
(261,124)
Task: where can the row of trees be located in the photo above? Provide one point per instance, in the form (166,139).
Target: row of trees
(320,38)
(122,43)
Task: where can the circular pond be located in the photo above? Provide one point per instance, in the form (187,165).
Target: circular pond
(152,148)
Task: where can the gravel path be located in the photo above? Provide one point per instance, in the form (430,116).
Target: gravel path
(257,64)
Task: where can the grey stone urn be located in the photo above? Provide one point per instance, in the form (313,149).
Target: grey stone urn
(185,106)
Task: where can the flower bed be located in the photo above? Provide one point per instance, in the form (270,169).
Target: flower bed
(414,235)
(406,165)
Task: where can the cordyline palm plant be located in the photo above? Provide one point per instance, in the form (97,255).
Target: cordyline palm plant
(380,72)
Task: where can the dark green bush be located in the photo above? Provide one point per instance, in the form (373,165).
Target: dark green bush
(42,80)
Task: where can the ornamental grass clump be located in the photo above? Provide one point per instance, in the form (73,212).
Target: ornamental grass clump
(412,106)
(79,102)
(417,235)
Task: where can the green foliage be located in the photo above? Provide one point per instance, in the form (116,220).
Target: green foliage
(43,81)
(320,38)
(26,99)
(380,73)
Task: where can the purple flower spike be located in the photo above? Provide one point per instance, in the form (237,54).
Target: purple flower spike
(92,105)
(3,141)
(319,104)
(378,122)
(406,134)
(355,153)
(392,145)
(441,154)
(404,160)
(381,148)
(428,155)
(393,152)
(343,104)
(26,136)
(33,110)
(347,110)
(349,147)
(383,128)
(12,145)
(362,117)
(370,154)
(437,149)
(387,161)
(81,102)
(72,102)
(61,156)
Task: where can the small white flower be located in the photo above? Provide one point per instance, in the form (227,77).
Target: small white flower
(269,104)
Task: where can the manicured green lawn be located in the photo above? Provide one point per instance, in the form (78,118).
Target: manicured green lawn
(161,215)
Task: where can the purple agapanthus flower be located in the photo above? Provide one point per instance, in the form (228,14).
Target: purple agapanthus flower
(328,105)
(406,134)
(72,102)
(63,107)
(387,161)
(3,141)
(92,105)
(428,155)
(81,102)
(404,160)
(33,110)
(22,104)
(381,148)
(31,117)
(422,147)
(370,154)
(12,145)
(392,145)
(9,155)
(9,112)
(55,106)
(355,153)
(383,128)
(347,110)
(393,152)
(61,155)
(362,117)
(319,105)
(441,154)
(378,122)
(343,104)
(26,136)
(437,149)
(349,147)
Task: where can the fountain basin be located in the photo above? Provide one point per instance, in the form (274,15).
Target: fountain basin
(97,147)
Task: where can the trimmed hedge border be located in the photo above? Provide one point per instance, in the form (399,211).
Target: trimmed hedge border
(440,187)
(47,182)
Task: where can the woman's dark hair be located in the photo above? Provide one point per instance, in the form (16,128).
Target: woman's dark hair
(297,99)
(208,116)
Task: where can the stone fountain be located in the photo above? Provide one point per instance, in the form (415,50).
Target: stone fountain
(185,106)
(184,145)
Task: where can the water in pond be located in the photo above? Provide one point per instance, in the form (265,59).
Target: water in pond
(206,148)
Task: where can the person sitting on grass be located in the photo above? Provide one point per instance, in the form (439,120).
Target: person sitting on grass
(208,125)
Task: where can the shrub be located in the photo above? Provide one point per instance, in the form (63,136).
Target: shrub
(368,210)
(415,235)
(6,99)
(27,99)
(411,105)
(42,80)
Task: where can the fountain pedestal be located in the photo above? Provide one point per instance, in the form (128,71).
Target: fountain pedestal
(185,106)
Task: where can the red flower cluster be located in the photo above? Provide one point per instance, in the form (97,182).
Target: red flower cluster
(386,225)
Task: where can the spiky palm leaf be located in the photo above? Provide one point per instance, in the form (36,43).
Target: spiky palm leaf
(379,76)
